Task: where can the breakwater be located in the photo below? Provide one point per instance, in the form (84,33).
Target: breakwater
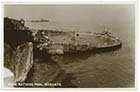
(69,42)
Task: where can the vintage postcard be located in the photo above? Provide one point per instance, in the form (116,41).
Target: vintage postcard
(69,45)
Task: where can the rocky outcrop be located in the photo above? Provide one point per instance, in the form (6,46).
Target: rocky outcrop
(24,60)
(19,61)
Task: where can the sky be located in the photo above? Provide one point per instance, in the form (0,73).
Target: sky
(70,13)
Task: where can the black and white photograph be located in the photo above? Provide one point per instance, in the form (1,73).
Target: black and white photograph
(69,45)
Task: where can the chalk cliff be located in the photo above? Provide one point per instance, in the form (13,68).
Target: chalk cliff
(20,60)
